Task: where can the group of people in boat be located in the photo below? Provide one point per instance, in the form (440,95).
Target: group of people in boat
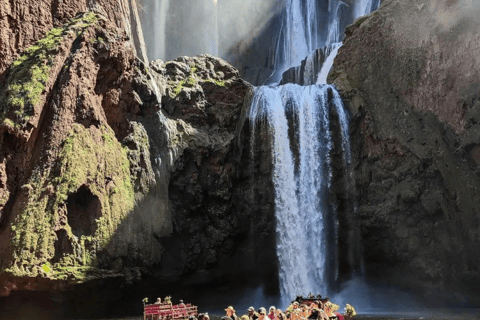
(300,309)
(311,308)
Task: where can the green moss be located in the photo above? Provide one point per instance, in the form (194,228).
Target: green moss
(29,74)
(89,157)
(178,86)
(220,83)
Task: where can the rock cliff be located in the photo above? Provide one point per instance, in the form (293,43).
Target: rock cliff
(409,74)
(113,168)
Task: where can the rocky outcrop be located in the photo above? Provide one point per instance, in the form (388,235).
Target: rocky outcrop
(112,168)
(67,102)
(410,79)
(219,230)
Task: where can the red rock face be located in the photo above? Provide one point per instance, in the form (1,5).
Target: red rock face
(88,84)
(24,22)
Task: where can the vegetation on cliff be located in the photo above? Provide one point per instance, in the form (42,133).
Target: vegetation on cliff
(91,158)
(30,73)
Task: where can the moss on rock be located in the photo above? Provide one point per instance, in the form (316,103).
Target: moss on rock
(29,74)
(90,158)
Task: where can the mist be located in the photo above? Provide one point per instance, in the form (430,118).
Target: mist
(202,26)
(241,20)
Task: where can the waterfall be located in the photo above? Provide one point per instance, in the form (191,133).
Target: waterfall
(160,8)
(209,28)
(298,40)
(300,204)
(327,64)
(334,26)
(298,120)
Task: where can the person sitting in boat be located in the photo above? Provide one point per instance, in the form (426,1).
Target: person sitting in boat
(292,307)
(252,315)
(315,314)
(323,314)
(271,313)
(281,315)
(330,308)
(159,301)
(335,308)
(167,300)
(277,312)
(304,311)
(349,312)
(293,311)
(295,314)
(261,313)
(230,313)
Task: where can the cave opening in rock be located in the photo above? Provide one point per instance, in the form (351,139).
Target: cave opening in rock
(63,246)
(83,207)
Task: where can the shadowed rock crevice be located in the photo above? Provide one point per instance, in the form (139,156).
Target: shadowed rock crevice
(63,245)
(83,208)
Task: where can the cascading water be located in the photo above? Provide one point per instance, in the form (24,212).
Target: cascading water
(302,180)
(327,64)
(300,206)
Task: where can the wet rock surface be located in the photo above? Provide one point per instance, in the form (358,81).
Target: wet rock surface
(406,74)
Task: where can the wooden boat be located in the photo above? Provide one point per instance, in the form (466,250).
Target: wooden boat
(167,311)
